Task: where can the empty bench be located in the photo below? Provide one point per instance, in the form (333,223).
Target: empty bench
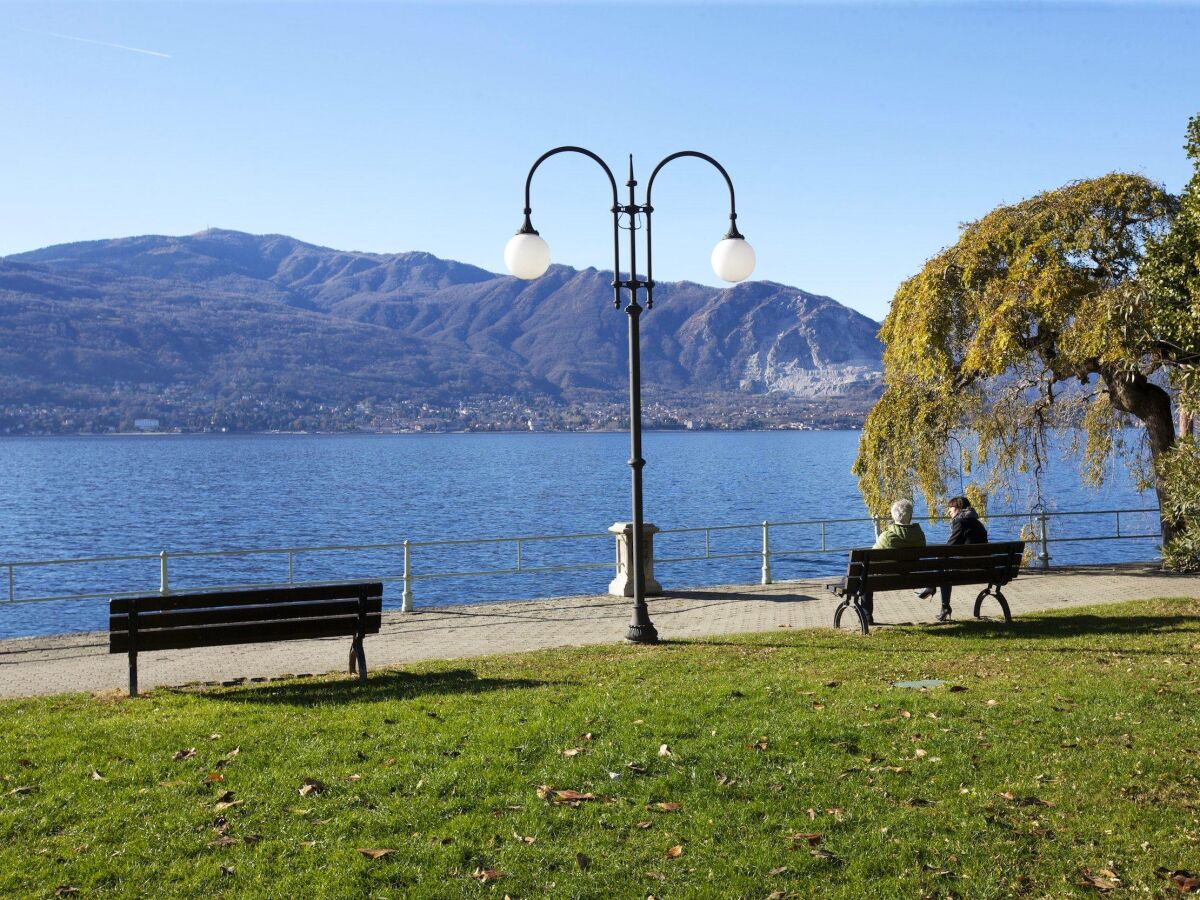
(214,619)
(872,571)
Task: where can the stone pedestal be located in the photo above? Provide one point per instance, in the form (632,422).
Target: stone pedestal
(622,585)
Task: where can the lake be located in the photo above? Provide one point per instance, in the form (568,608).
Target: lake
(139,494)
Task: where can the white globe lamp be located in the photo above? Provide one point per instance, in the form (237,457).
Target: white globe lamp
(733,259)
(526,255)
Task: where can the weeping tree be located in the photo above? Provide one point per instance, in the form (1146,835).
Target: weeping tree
(1171,273)
(1037,319)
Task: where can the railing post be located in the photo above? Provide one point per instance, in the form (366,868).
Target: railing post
(291,567)
(1044,540)
(823,547)
(519,543)
(406,598)
(164,582)
(766,554)
(11,595)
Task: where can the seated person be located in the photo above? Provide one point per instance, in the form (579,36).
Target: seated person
(903,532)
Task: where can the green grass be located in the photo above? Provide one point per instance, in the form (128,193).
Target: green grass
(1070,744)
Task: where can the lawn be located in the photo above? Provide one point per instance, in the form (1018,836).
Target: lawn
(1060,756)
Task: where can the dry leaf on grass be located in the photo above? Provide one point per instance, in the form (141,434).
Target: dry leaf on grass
(668,806)
(806,838)
(574,751)
(759,746)
(675,852)
(920,753)
(1103,880)
(664,750)
(1182,880)
(645,824)
(66,890)
(827,856)
(486,876)
(524,839)
(584,861)
(311,786)
(778,870)
(374,854)
(228,871)
(96,776)
(215,777)
(180,755)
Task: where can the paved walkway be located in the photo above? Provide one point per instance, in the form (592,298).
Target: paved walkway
(81,662)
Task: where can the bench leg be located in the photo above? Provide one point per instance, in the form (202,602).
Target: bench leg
(133,673)
(859,611)
(358,659)
(998,594)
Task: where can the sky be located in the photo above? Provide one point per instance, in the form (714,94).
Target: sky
(858,136)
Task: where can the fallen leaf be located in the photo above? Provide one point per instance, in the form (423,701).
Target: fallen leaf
(905,714)
(215,777)
(573,751)
(251,839)
(374,854)
(569,796)
(587,737)
(818,706)
(524,839)
(668,806)
(777,895)
(180,755)
(24,789)
(228,757)
(486,876)
(1008,795)
(222,805)
(96,776)
(227,871)
(806,838)
(917,802)
(993,702)
(664,750)
(920,754)
(584,861)
(1184,881)
(636,769)
(675,852)
(645,824)
(759,745)
(311,786)
(1100,881)
(956,688)
(778,870)
(226,797)
(66,891)
(223,841)
(831,684)
(812,814)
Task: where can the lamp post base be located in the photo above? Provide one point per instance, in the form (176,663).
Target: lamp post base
(642,634)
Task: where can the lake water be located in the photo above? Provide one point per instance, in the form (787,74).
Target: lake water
(90,496)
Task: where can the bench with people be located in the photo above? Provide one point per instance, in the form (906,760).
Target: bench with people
(902,560)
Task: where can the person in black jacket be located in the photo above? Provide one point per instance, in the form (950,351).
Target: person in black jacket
(965,528)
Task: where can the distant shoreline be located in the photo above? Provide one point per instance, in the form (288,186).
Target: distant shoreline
(235,434)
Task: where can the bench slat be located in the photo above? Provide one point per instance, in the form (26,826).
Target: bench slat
(936,551)
(257,596)
(248,633)
(228,615)
(978,564)
(916,582)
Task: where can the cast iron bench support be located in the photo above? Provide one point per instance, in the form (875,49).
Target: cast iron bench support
(871,572)
(221,618)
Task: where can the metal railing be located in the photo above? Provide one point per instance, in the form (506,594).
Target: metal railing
(1037,520)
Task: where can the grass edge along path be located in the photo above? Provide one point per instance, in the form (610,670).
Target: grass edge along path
(1061,756)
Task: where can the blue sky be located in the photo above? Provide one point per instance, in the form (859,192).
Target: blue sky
(858,136)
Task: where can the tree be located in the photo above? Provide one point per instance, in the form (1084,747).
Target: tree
(1036,319)
(1172,275)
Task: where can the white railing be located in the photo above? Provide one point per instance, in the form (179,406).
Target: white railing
(1038,521)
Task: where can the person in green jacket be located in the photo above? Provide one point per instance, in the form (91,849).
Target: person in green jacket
(903,532)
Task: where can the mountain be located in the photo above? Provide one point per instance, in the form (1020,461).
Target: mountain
(222,317)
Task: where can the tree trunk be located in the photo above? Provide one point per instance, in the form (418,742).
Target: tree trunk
(1135,394)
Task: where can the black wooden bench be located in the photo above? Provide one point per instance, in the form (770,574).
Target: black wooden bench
(937,565)
(178,621)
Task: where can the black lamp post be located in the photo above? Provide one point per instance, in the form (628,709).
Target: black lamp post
(527,256)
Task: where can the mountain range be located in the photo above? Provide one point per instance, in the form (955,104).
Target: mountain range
(229,316)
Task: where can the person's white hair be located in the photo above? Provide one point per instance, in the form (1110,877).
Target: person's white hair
(902,511)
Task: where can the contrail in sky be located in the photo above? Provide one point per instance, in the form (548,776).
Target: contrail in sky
(83,40)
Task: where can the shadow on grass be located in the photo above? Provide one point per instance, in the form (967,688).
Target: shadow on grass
(1056,628)
(388,685)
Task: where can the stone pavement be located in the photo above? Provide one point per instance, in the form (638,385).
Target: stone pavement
(81,662)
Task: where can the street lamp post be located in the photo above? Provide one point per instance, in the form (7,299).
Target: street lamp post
(527,256)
